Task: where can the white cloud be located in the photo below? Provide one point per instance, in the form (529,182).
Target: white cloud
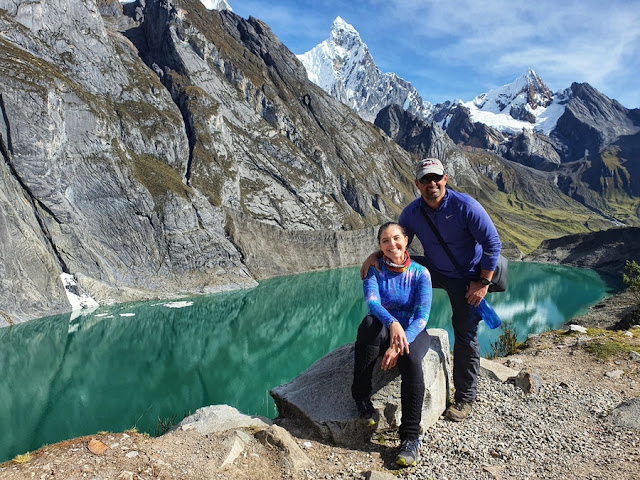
(567,41)
(478,44)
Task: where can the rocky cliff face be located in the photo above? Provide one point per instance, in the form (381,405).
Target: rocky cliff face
(420,139)
(145,161)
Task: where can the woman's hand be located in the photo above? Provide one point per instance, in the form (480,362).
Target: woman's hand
(370,260)
(390,358)
(398,338)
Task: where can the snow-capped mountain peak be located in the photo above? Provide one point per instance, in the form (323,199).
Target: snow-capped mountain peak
(209,4)
(524,103)
(528,89)
(343,67)
(216,5)
(341,29)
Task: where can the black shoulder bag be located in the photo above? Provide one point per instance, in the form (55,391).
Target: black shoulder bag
(499,280)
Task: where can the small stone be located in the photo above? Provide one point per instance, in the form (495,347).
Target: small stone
(577,328)
(527,380)
(96,447)
(615,374)
(132,454)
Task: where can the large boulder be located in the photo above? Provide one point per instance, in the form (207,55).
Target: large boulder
(319,399)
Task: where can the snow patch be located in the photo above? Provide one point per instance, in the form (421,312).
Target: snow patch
(77,299)
(216,5)
(177,304)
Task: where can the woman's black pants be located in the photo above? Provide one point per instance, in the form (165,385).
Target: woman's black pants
(372,341)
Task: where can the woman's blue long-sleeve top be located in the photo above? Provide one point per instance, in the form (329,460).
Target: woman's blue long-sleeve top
(405,297)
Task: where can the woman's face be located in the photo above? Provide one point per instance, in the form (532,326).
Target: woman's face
(393,243)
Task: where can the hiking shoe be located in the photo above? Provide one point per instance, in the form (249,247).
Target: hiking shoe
(408,454)
(366,411)
(458,411)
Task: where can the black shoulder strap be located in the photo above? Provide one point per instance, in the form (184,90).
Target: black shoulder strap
(442,242)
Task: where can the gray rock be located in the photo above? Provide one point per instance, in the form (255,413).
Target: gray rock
(235,447)
(319,400)
(375,475)
(606,250)
(219,418)
(577,328)
(526,380)
(626,414)
(294,457)
(495,370)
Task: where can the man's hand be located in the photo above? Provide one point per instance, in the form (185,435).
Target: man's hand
(476,292)
(370,260)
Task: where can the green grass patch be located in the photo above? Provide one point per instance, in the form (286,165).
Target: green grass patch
(607,344)
(158,177)
(605,350)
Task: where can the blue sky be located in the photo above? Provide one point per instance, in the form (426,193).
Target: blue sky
(461,48)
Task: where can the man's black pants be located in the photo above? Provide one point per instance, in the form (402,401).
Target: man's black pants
(466,349)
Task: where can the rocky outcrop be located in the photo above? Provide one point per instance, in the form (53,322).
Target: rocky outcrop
(419,138)
(532,149)
(590,122)
(319,400)
(606,250)
(463,131)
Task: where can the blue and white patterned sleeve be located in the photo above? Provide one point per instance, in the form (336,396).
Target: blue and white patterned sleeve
(421,307)
(372,297)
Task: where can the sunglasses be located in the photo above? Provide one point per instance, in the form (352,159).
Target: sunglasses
(427,179)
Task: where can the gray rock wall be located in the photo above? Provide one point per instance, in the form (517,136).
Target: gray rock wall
(171,154)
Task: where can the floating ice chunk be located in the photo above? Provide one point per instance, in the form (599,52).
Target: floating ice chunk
(178,304)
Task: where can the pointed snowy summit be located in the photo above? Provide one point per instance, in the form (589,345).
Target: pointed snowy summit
(216,5)
(526,90)
(524,103)
(343,67)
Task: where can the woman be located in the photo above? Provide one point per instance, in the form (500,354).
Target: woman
(399,300)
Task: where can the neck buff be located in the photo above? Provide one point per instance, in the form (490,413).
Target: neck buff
(394,267)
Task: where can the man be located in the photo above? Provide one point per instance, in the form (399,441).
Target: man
(473,241)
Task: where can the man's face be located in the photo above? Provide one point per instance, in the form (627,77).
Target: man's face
(431,186)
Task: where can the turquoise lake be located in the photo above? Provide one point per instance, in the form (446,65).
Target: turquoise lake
(128,365)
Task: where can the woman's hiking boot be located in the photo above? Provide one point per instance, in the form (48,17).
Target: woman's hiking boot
(366,411)
(458,411)
(408,454)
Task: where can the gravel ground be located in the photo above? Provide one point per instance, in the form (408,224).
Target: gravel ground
(563,431)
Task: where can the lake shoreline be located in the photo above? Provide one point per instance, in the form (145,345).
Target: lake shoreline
(578,390)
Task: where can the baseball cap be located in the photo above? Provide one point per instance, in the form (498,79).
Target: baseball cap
(429,165)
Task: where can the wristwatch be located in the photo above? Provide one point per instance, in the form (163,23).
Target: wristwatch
(485,281)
